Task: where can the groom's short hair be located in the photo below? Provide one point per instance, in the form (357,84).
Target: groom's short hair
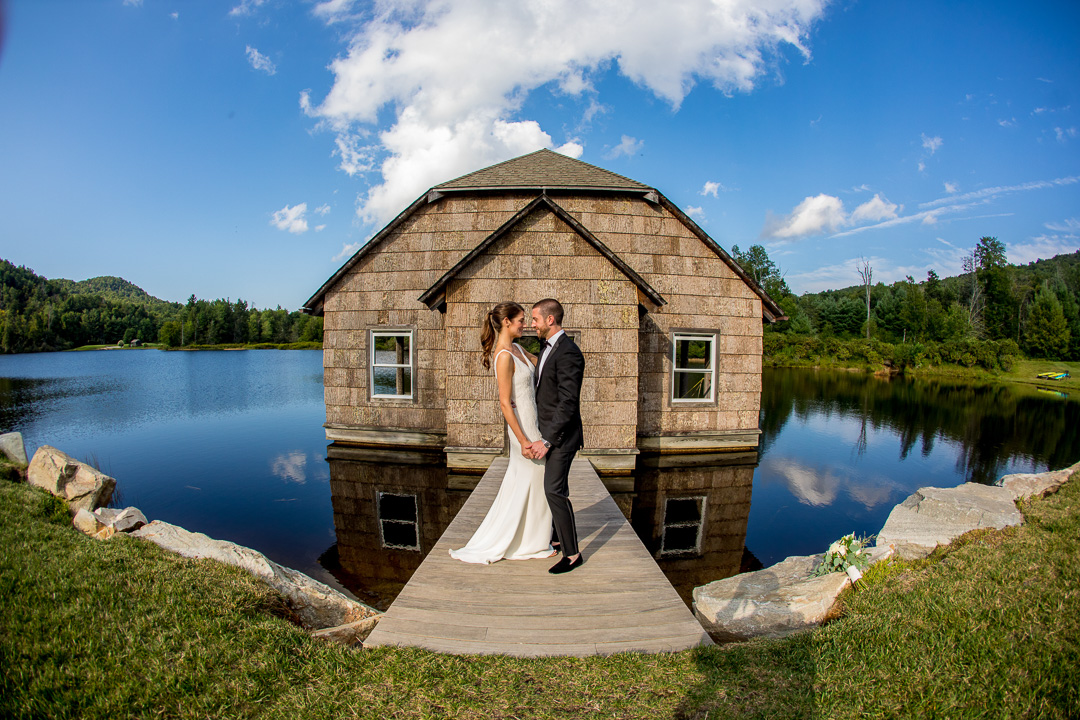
(550,306)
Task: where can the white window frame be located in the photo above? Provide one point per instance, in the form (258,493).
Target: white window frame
(382,521)
(410,365)
(699,524)
(713,338)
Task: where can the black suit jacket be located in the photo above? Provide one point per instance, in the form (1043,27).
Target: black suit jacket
(558,395)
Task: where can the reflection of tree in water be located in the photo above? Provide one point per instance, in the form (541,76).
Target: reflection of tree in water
(22,400)
(993,424)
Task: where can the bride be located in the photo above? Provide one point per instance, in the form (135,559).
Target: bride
(518,525)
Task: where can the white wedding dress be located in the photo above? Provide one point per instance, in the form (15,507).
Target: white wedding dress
(518,525)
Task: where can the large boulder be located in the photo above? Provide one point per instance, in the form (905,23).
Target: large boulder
(317,605)
(773,602)
(936,516)
(1023,485)
(82,486)
(13,448)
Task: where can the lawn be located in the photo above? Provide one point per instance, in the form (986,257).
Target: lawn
(989,627)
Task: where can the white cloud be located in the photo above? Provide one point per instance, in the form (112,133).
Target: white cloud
(931,143)
(570,149)
(320,228)
(322,209)
(875,209)
(133,3)
(860,188)
(260,61)
(290,467)
(1064,134)
(812,216)
(992,192)
(291,219)
(922,166)
(174,15)
(1072,225)
(1007,123)
(1043,247)
(332,11)
(347,249)
(695,212)
(712,188)
(246,7)
(951,188)
(628,147)
(456,74)
(825,213)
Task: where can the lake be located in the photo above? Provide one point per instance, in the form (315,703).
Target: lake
(230,443)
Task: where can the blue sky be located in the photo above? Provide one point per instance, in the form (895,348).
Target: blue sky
(245,148)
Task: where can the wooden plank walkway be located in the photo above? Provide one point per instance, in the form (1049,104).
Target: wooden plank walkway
(619,600)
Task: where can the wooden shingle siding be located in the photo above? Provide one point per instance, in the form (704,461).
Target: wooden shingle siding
(598,242)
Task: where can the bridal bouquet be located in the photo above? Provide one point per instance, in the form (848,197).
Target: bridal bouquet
(845,555)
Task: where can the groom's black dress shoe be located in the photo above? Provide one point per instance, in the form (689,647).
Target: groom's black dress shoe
(565,566)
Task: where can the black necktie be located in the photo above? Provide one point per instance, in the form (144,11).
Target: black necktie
(546,346)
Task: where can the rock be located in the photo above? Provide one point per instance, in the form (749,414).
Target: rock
(1023,485)
(89,524)
(936,516)
(316,604)
(13,448)
(64,476)
(128,520)
(350,634)
(86,522)
(124,520)
(773,602)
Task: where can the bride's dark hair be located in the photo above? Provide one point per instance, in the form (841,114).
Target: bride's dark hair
(493,324)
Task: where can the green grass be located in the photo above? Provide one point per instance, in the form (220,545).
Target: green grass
(120,628)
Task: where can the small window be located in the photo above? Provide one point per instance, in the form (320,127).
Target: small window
(398,521)
(682,526)
(392,364)
(693,364)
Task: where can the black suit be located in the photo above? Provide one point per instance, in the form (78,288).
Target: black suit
(558,411)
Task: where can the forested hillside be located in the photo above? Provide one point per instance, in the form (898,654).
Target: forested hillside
(38,314)
(992,308)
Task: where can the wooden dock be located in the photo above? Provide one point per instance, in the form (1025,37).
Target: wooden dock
(618,601)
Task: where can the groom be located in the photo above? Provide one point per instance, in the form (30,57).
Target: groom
(558,399)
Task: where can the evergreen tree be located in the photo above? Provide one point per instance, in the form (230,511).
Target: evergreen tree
(1047,332)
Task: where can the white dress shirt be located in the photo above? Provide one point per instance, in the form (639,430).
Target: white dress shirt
(547,351)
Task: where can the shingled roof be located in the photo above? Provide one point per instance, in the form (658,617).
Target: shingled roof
(539,170)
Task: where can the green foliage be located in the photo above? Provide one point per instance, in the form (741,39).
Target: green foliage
(1047,332)
(37,314)
(757,264)
(847,552)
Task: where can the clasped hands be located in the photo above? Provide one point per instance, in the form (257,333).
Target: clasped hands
(535,450)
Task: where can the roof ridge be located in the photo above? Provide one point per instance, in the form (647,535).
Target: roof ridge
(543,168)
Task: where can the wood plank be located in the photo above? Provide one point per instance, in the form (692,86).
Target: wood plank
(618,601)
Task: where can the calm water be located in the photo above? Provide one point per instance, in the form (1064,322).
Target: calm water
(231,444)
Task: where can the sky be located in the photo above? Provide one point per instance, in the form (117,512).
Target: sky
(246,148)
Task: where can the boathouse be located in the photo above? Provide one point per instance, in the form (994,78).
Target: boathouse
(669,324)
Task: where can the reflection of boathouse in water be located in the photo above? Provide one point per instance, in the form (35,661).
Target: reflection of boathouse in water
(391,508)
(669,324)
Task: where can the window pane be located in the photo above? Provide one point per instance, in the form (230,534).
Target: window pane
(392,348)
(693,353)
(531,343)
(693,386)
(680,539)
(392,381)
(398,534)
(397,507)
(682,510)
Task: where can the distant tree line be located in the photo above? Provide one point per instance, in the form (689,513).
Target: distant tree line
(38,314)
(1033,308)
